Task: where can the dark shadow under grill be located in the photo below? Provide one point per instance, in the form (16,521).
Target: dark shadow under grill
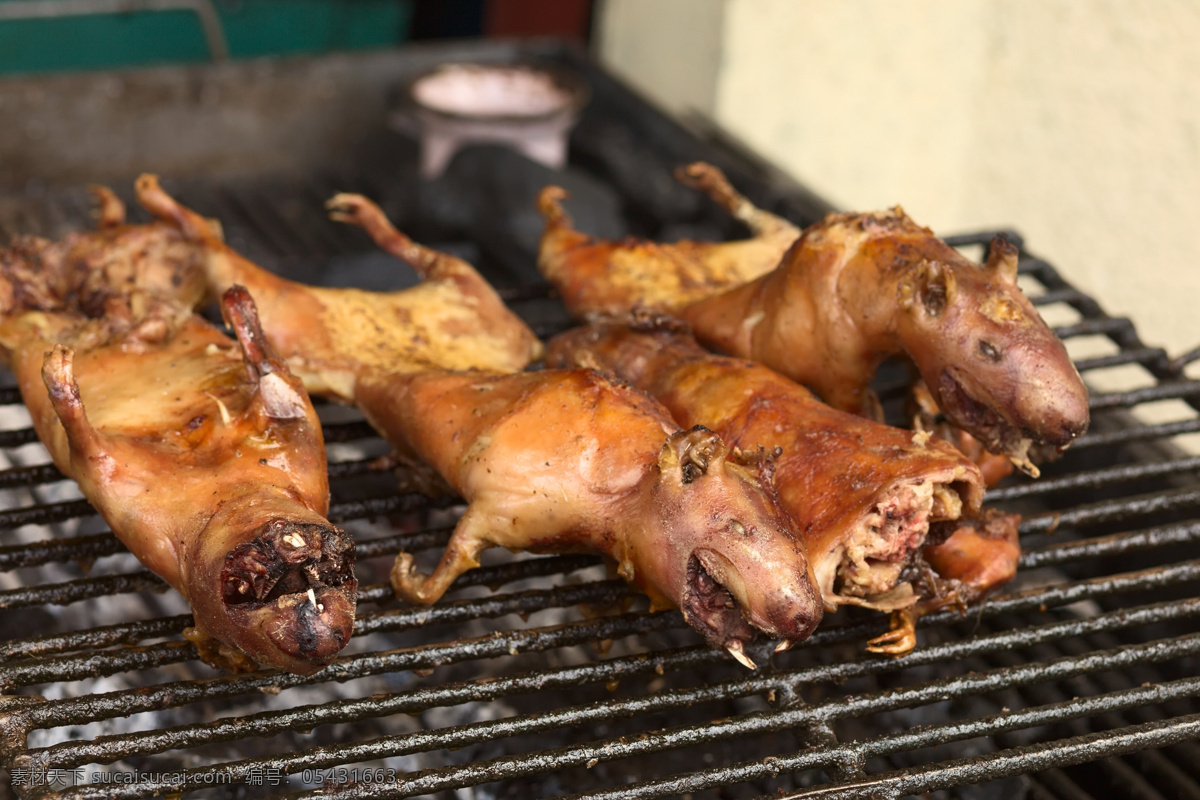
(544,677)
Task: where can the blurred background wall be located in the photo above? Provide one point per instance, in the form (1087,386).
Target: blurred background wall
(1077,123)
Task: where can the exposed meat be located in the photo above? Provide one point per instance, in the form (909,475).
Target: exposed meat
(856,288)
(205,457)
(862,494)
(600,276)
(978,556)
(452,320)
(569,460)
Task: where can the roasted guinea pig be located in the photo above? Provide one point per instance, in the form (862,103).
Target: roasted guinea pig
(452,320)
(862,494)
(205,457)
(607,277)
(573,461)
(87,268)
(857,288)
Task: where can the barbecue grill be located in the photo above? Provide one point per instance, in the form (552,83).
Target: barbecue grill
(543,676)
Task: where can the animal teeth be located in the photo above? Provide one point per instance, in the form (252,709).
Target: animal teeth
(735,650)
(784,644)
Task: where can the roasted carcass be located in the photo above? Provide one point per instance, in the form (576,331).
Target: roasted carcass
(453,319)
(204,455)
(87,268)
(550,461)
(570,461)
(856,288)
(862,495)
(599,276)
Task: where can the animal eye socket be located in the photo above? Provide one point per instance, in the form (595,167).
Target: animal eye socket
(988,351)
(691,472)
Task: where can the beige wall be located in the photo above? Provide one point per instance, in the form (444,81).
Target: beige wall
(1075,121)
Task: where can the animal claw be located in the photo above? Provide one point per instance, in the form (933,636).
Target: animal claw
(735,650)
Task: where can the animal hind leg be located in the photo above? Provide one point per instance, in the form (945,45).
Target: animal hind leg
(354,209)
(462,554)
(706,178)
(193,226)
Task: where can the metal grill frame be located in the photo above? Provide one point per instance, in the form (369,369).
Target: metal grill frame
(1123,535)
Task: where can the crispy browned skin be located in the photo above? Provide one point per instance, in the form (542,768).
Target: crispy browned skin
(611,277)
(857,288)
(205,457)
(569,460)
(862,494)
(453,320)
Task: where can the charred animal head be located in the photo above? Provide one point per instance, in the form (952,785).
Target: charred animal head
(735,566)
(288,595)
(996,369)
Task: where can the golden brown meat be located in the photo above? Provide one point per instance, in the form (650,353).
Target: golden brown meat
(980,555)
(205,457)
(606,277)
(862,494)
(857,288)
(453,320)
(568,461)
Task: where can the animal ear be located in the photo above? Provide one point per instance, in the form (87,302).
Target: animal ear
(1002,259)
(692,452)
(931,286)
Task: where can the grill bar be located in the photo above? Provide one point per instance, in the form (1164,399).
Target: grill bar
(1019,760)
(106,749)
(978,769)
(497,769)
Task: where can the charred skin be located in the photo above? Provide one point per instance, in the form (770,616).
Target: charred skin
(452,320)
(856,288)
(120,406)
(569,461)
(92,272)
(604,277)
(862,494)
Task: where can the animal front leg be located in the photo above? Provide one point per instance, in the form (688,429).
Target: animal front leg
(901,639)
(462,553)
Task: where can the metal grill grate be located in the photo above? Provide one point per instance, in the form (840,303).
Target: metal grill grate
(542,677)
